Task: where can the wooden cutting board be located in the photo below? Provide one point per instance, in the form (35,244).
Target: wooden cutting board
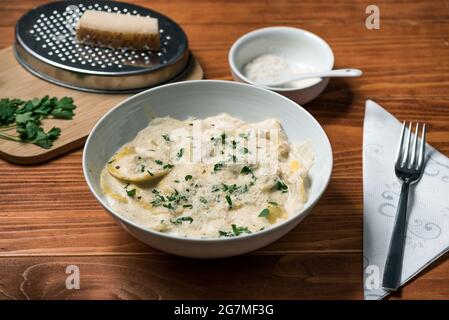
(16,82)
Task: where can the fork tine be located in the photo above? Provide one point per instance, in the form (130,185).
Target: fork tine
(407,146)
(422,148)
(412,161)
(401,145)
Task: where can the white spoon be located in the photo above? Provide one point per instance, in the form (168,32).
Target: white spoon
(322,74)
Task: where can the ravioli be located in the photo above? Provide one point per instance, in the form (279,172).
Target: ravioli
(210,178)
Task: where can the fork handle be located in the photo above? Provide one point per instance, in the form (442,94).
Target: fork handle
(393,265)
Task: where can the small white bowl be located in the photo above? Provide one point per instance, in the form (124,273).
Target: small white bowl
(297,46)
(203,99)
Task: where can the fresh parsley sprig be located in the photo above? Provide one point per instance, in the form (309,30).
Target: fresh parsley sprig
(26,117)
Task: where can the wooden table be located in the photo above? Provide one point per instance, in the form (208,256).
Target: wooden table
(49,219)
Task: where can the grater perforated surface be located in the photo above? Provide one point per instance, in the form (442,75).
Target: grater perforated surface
(47,33)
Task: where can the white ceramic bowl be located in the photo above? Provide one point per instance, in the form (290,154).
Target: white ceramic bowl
(203,99)
(297,46)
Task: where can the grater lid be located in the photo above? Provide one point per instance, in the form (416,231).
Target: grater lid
(46,45)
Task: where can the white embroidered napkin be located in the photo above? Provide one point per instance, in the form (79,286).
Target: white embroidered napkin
(428,222)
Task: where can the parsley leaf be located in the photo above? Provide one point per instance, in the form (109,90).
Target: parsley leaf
(218,166)
(8,108)
(246,170)
(131,193)
(229,201)
(180,153)
(223,138)
(181,220)
(26,116)
(281,186)
(239,230)
(225,234)
(264,213)
(168,166)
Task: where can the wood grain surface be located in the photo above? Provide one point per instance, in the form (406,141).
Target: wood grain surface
(48,218)
(17,82)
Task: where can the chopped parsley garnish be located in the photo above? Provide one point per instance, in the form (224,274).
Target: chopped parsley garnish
(170,201)
(246,170)
(223,138)
(187,206)
(203,200)
(239,230)
(142,168)
(229,201)
(264,213)
(281,186)
(225,234)
(229,187)
(234,144)
(218,166)
(273,203)
(236,231)
(244,150)
(188,177)
(131,193)
(180,153)
(166,137)
(169,206)
(180,220)
(165,166)
(168,166)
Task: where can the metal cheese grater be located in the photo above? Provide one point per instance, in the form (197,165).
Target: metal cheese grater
(46,46)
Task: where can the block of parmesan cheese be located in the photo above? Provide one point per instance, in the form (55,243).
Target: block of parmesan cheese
(116,30)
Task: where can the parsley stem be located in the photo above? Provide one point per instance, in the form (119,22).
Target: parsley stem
(10,137)
(7,127)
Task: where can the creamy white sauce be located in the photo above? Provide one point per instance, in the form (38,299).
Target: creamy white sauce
(217,177)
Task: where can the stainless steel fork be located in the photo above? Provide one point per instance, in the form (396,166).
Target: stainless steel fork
(409,168)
